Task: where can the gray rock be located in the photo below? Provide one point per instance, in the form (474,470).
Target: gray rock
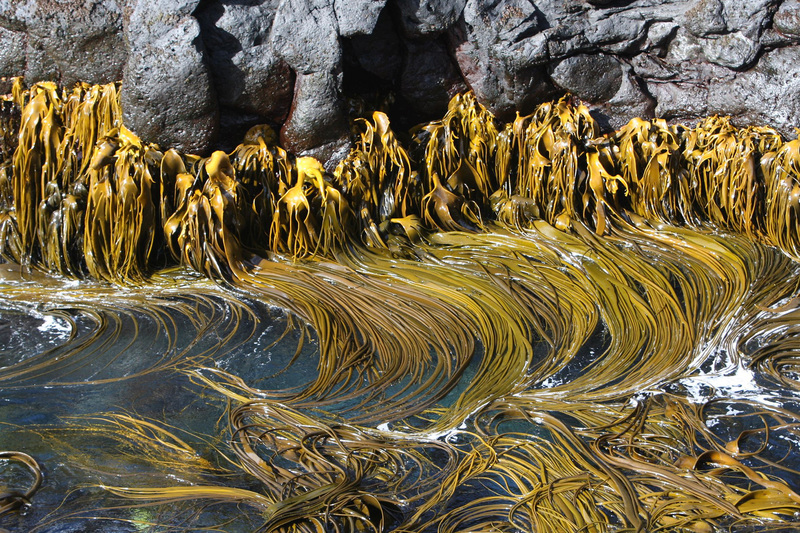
(768,94)
(167,93)
(186,62)
(751,17)
(704,18)
(619,34)
(357,17)
(680,101)
(684,48)
(787,18)
(317,118)
(426,17)
(17,14)
(12,56)
(659,34)
(629,102)
(501,49)
(733,50)
(594,78)
(430,79)
(249,77)
(608,87)
(652,67)
(305,35)
(380,52)
(66,42)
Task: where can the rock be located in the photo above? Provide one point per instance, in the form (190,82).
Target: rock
(65,42)
(659,34)
(379,53)
(248,76)
(704,18)
(305,35)
(167,93)
(317,117)
(629,102)
(357,17)
(680,101)
(429,79)
(733,50)
(502,51)
(787,19)
(594,78)
(426,17)
(683,48)
(751,17)
(608,87)
(620,34)
(652,67)
(12,57)
(188,64)
(768,94)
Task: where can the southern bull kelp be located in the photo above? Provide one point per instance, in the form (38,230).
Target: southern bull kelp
(498,327)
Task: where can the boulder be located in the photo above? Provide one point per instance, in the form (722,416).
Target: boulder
(190,65)
(357,17)
(249,78)
(167,92)
(502,50)
(606,85)
(305,35)
(12,56)
(428,17)
(768,94)
(593,78)
(66,42)
(317,124)
(429,79)
(787,19)
(379,53)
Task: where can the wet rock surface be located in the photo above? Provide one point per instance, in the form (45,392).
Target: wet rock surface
(197,73)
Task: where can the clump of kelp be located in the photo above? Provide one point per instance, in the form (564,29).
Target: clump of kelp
(504,312)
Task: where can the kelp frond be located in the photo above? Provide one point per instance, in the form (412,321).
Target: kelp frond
(506,318)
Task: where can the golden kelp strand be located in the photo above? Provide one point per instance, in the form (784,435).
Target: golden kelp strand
(406,303)
(552,164)
(649,161)
(781,169)
(103,328)
(121,214)
(35,159)
(12,499)
(425,345)
(378,174)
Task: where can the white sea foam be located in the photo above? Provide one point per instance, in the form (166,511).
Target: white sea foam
(738,382)
(51,324)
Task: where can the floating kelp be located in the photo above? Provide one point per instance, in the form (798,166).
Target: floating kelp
(509,322)
(13,499)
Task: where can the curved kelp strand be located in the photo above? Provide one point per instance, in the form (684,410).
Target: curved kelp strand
(99,333)
(509,327)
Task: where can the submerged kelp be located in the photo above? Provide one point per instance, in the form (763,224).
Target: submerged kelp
(510,321)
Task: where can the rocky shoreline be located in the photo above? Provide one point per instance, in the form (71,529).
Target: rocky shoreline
(197,73)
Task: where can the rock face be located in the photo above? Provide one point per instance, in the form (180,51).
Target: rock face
(167,92)
(197,73)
